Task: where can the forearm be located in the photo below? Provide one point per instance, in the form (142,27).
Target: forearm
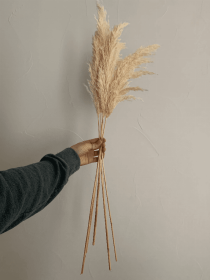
(27,190)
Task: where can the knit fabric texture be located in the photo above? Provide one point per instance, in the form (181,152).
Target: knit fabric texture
(25,191)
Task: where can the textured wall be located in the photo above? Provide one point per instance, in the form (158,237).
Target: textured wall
(157,158)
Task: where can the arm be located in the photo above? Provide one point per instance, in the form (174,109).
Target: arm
(25,191)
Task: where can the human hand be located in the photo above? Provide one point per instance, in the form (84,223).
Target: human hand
(86,152)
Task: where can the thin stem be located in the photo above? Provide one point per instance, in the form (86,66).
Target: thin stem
(109,210)
(103,173)
(90,219)
(99,174)
(101,160)
(96,209)
(101,133)
(97,198)
(107,238)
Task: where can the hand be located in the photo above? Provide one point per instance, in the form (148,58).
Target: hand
(86,152)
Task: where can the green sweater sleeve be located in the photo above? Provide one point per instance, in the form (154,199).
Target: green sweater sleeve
(25,191)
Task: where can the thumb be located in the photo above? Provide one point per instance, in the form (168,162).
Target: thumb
(97,144)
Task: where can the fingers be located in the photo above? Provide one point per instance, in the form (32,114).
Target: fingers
(95,159)
(96,153)
(96,142)
(103,149)
(90,157)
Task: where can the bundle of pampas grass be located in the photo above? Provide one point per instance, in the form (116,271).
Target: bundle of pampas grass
(108,86)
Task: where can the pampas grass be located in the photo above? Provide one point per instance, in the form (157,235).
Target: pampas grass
(108,86)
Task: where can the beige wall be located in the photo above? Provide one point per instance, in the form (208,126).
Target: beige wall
(158,151)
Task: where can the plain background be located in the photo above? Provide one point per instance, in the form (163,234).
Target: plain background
(157,161)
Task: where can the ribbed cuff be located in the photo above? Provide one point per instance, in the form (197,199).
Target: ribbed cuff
(71,157)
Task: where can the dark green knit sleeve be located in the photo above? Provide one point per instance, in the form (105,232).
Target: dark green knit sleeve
(25,191)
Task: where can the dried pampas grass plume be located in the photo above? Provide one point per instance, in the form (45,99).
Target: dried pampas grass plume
(108,71)
(108,86)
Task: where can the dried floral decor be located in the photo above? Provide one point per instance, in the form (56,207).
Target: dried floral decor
(108,86)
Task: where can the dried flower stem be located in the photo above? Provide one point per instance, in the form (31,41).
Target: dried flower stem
(90,219)
(100,129)
(96,211)
(109,212)
(97,198)
(100,174)
(107,238)
(101,158)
